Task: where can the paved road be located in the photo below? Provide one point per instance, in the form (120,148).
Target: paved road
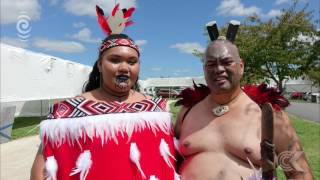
(310,111)
(17,157)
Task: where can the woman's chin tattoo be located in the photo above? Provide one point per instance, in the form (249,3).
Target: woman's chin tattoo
(122,82)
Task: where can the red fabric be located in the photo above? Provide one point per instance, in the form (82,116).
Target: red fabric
(111,160)
(119,42)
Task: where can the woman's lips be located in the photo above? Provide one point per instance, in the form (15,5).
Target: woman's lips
(122,81)
(122,78)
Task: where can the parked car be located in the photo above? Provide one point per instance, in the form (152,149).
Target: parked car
(167,93)
(296,95)
(312,97)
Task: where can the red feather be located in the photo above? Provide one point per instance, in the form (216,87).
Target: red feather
(102,21)
(115,9)
(128,23)
(262,94)
(128,12)
(191,96)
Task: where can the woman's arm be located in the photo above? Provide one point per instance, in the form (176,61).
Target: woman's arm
(37,170)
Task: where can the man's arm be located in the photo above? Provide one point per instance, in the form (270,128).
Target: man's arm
(291,157)
(37,170)
(179,119)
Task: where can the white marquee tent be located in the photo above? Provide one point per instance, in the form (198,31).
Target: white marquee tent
(29,80)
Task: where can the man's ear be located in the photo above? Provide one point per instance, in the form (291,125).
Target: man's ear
(241,67)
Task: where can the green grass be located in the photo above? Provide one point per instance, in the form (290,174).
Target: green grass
(25,126)
(309,134)
(174,110)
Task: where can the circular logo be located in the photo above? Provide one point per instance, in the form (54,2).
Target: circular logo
(284,159)
(23,26)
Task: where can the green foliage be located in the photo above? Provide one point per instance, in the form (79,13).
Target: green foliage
(313,68)
(277,49)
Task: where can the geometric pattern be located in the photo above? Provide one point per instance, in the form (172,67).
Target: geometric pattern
(80,106)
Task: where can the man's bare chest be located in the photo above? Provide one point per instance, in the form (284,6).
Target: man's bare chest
(234,134)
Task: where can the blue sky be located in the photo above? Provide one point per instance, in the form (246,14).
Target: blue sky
(167,30)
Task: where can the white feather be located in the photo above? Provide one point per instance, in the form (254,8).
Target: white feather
(176,144)
(153,177)
(83,165)
(135,157)
(51,168)
(105,127)
(117,22)
(176,176)
(257,175)
(165,153)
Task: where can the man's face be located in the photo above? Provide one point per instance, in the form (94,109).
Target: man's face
(223,67)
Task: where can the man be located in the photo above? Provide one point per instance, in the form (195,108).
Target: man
(220,135)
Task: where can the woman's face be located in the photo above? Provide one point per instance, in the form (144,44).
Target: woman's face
(119,67)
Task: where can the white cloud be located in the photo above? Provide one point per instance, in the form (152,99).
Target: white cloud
(87,7)
(84,35)
(236,8)
(11,10)
(273,13)
(278,2)
(180,72)
(141,42)
(188,47)
(156,69)
(53,2)
(79,24)
(14,42)
(58,46)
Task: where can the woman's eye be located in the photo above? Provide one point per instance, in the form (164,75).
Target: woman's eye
(114,60)
(132,62)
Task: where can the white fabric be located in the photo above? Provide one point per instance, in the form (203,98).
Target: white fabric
(26,76)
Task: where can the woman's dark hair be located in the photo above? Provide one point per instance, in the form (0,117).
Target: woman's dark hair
(94,77)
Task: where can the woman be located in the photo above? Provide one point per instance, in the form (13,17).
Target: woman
(111,131)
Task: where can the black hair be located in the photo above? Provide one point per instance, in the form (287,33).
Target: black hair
(94,77)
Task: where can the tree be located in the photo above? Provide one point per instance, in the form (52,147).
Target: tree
(275,49)
(313,72)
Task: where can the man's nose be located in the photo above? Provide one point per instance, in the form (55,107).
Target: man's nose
(219,68)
